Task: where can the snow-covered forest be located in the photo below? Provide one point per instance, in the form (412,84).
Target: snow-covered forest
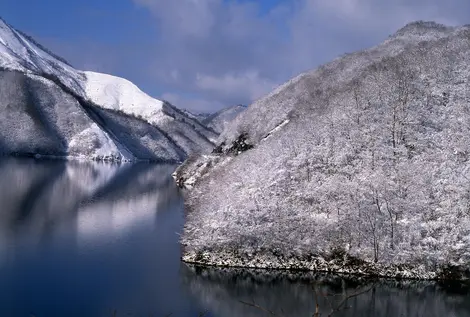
(366,158)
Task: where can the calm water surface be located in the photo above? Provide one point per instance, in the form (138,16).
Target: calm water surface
(90,239)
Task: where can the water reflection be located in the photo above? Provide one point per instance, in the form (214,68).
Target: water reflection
(291,294)
(39,198)
(83,239)
(115,209)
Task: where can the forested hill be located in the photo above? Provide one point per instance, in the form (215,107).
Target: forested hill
(365,158)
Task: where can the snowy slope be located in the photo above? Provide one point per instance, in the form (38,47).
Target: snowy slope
(39,118)
(56,110)
(18,52)
(361,165)
(120,94)
(268,112)
(117,93)
(219,120)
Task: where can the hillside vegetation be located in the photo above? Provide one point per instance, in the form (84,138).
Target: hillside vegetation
(358,166)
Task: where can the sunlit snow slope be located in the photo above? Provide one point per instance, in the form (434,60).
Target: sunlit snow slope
(119,94)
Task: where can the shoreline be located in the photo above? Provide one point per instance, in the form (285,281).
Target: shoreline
(346,266)
(85,159)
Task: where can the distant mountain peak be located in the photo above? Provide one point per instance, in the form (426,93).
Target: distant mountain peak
(220,119)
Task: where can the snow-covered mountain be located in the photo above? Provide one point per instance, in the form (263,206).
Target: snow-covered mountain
(219,120)
(200,116)
(361,165)
(56,110)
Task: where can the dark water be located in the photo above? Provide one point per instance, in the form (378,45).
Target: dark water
(83,239)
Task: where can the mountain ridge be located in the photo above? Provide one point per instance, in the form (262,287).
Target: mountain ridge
(159,128)
(395,44)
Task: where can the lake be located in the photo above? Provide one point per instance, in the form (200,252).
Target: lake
(95,239)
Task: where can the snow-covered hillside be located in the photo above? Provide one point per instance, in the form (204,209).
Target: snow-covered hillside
(219,120)
(268,112)
(120,94)
(56,110)
(361,165)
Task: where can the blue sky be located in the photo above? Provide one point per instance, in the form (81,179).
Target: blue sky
(206,54)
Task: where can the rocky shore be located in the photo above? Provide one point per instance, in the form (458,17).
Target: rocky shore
(338,263)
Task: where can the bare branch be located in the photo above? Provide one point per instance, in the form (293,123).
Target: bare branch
(254,305)
(338,308)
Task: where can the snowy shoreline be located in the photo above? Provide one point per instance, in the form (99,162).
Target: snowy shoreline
(344,265)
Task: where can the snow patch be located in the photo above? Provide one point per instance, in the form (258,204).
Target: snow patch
(279,127)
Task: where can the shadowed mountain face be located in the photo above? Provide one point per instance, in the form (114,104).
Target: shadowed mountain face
(222,292)
(38,117)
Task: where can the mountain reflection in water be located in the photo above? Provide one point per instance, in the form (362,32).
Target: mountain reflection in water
(84,238)
(37,197)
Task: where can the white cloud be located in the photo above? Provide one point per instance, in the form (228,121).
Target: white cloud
(228,85)
(228,52)
(187,17)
